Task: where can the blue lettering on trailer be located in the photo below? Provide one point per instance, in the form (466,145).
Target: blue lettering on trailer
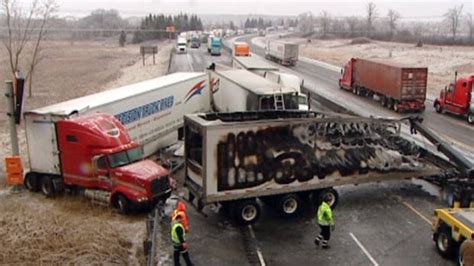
(143,111)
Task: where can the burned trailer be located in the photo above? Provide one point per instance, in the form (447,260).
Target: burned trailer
(284,157)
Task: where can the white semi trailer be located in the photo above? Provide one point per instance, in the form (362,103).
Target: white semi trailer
(282,52)
(152,111)
(282,158)
(241,90)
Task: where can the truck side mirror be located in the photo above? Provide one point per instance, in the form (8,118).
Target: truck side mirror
(302,83)
(342,71)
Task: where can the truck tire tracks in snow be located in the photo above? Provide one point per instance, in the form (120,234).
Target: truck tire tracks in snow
(252,250)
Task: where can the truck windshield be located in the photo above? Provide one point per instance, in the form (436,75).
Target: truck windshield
(125,157)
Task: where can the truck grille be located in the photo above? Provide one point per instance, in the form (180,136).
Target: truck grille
(160,186)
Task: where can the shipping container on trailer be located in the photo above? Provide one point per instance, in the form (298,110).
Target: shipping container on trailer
(396,86)
(152,111)
(285,157)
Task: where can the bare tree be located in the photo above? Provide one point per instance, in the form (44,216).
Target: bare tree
(352,23)
(306,22)
(452,17)
(393,17)
(470,26)
(371,16)
(325,22)
(24,28)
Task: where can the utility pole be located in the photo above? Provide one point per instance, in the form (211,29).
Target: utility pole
(11,117)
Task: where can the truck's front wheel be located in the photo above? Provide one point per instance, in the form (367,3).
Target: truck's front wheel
(444,242)
(47,186)
(438,107)
(470,118)
(246,211)
(122,204)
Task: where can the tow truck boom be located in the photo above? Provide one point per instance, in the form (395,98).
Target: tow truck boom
(464,166)
(462,184)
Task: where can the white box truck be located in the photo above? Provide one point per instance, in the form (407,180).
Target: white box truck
(282,52)
(152,111)
(284,157)
(241,90)
(181,45)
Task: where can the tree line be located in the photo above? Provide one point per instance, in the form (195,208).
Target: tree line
(153,26)
(456,27)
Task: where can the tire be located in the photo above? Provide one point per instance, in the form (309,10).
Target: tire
(47,186)
(395,106)
(246,211)
(445,244)
(332,193)
(32,182)
(122,204)
(470,118)
(390,103)
(289,205)
(438,108)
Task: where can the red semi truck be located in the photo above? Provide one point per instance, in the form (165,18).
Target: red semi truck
(92,153)
(397,87)
(457,98)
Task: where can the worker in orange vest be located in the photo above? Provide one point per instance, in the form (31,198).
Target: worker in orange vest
(181,211)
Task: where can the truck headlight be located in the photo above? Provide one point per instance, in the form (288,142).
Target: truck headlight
(142,199)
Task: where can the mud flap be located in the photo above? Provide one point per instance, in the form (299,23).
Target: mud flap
(58,185)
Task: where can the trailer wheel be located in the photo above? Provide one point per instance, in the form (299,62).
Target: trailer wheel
(47,186)
(289,205)
(32,182)
(122,204)
(445,244)
(438,107)
(470,118)
(332,193)
(246,211)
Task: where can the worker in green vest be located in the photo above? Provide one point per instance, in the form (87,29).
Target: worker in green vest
(326,223)
(178,237)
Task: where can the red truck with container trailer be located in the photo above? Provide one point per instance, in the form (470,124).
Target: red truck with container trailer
(457,98)
(93,154)
(397,87)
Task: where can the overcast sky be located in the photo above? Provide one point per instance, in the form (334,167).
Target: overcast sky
(408,9)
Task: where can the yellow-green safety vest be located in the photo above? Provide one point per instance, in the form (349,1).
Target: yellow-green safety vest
(324,215)
(174,235)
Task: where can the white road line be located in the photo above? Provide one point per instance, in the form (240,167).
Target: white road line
(259,252)
(364,250)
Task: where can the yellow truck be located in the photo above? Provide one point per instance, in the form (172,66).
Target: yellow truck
(450,228)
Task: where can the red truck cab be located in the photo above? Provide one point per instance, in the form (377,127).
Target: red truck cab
(457,98)
(97,154)
(346,80)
